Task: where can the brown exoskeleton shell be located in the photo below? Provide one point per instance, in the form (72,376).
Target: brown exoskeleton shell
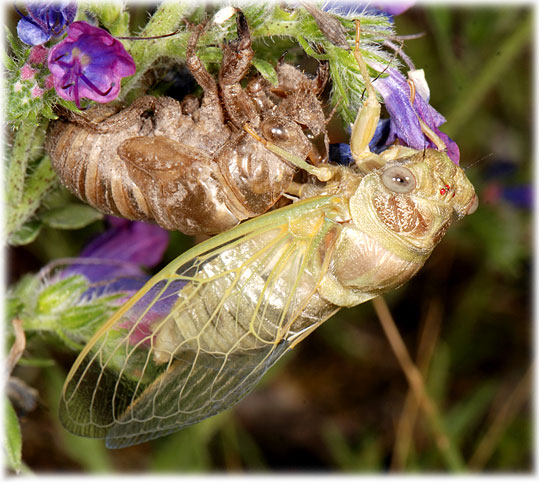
(191,166)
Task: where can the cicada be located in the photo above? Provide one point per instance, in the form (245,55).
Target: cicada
(201,333)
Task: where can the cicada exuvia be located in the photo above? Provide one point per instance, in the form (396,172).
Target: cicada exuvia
(201,333)
(189,165)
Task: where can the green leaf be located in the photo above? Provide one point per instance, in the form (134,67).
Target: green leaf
(71,216)
(26,234)
(25,289)
(18,49)
(48,112)
(266,70)
(69,105)
(13,438)
(9,63)
(13,307)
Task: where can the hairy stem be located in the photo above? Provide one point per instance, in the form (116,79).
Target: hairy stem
(37,185)
(16,172)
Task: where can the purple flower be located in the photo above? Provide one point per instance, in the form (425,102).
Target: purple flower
(341,154)
(131,245)
(45,20)
(351,8)
(114,259)
(503,185)
(404,117)
(149,311)
(393,7)
(82,293)
(89,63)
(520,196)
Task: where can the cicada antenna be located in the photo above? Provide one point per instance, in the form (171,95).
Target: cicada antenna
(398,51)
(151,38)
(323,174)
(478,161)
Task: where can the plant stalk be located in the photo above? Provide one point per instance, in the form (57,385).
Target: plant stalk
(449,452)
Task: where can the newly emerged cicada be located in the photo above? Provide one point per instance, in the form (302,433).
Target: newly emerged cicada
(191,166)
(201,333)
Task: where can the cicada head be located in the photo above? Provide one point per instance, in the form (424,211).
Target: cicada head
(300,98)
(412,200)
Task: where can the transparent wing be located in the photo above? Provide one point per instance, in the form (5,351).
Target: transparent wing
(202,332)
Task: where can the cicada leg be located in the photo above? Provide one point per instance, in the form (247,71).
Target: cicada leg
(211,104)
(427,131)
(323,173)
(367,118)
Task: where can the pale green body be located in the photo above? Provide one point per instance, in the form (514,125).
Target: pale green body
(366,258)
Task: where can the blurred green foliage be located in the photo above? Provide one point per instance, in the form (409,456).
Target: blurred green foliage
(337,401)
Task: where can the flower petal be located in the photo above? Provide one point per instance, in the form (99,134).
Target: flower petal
(404,116)
(89,63)
(31,34)
(114,259)
(133,241)
(45,20)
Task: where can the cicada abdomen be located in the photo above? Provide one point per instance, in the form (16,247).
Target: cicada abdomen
(83,156)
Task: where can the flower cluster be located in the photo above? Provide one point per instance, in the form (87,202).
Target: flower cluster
(88,63)
(112,264)
(72,297)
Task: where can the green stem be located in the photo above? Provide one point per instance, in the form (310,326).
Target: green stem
(164,21)
(16,173)
(474,95)
(37,185)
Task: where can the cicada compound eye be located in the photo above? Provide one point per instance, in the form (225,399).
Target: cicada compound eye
(399,179)
(276,131)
